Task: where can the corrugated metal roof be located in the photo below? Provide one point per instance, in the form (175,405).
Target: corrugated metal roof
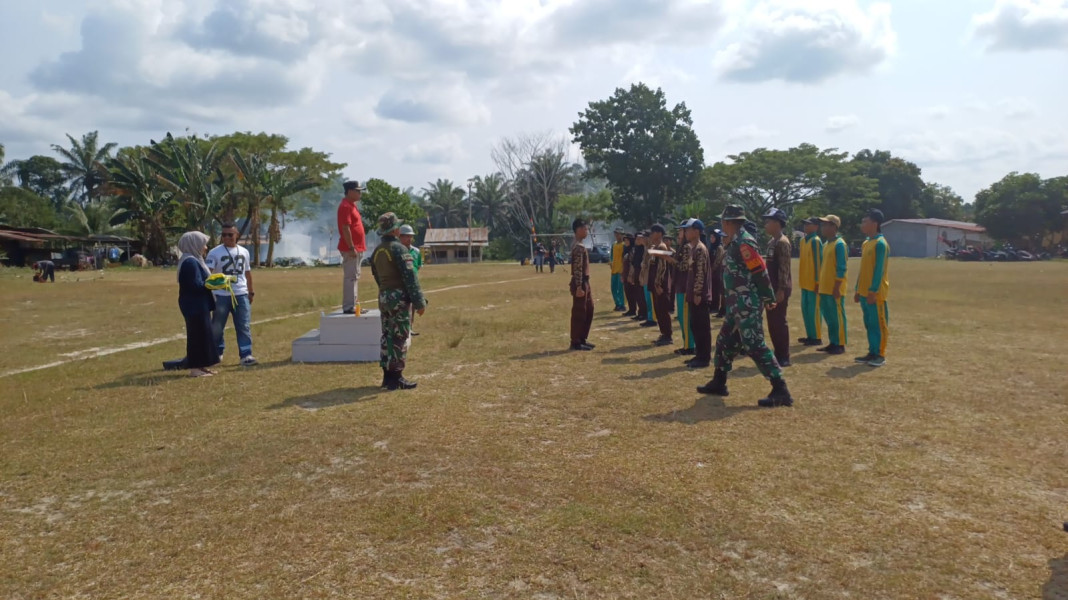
(456,236)
(942,223)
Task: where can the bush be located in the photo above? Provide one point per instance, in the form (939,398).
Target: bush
(501,249)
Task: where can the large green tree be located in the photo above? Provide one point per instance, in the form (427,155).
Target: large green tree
(42,175)
(84,165)
(22,208)
(648,153)
(941,202)
(901,188)
(1021,207)
(143,201)
(382,197)
(491,198)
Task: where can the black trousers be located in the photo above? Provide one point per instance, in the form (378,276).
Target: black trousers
(701,324)
(200,348)
(630,291)
(581,314)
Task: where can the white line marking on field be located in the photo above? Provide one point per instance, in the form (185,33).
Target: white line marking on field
(97,352)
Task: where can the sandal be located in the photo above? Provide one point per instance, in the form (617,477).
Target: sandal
(200,373)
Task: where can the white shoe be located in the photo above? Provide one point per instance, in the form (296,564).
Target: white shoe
(248,361)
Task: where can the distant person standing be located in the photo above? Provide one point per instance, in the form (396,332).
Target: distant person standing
(617,272)
(782,283)
(699,294)
(681,263)
(832,284)
(581,295)
(660,284)
(230,259)
(196,302)
(809,279)
(352,243)
(637,259)
(716,244)
(873,288)
(643,278)
(398,294)
(628,277)
(46,269)
(554,248)
(407,237)
(539,258)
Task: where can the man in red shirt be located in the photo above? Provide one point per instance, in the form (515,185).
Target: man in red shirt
(351,243)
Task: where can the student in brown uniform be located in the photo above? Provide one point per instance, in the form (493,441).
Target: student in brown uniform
(778,264)
(681,264)
(646,282)
(660,284)
(716,243)
(582,298)
(628,287)
(699,294)
(637,259)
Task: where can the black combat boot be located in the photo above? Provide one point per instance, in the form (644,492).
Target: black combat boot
(716,387)
(398,382)
(779,396)
(385,377)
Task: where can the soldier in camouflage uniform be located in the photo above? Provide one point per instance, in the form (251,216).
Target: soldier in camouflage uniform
(398,295)
(747,291)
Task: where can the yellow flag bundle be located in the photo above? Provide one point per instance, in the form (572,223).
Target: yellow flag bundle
(220,281)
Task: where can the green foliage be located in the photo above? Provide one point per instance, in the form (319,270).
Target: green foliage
(22,208)
(142,201)
(491,204)
(445,204)
(901,189)
(649,154)
(42,175)
(97,218)
(382,197)
(193,174)
(84,166)
(1022,207)
(502,248)
(941,202)
(591,206)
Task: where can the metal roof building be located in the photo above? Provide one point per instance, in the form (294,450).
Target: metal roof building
(451,245)
(927,238)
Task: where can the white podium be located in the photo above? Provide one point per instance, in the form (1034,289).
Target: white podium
(341,338)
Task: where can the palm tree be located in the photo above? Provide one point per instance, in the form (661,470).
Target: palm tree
(444,203)
(195,176)
(143,201)
(491,202)
(85,166)
(97,218)
(252,174)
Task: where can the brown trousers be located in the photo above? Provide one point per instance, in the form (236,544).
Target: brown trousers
(631,291)
(779,330)
(662,309)
(581,314)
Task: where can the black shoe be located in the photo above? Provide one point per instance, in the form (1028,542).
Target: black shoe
(649,324)
(836,350)
(698,364)
(396,381)
(629,313)
(620,309)
(720,315)
(638,318)
(685,352)
(804,341)
(663,342)
(582,347)
(785,363)
(864,359)
(415,333)
(779,396)
(350,311)
(716,387)
(826,348)
(813,342)
(386,378)
(592,346)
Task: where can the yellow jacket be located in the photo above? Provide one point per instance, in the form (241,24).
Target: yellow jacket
(617,258)
(875,268)
(811,259)
(835,253)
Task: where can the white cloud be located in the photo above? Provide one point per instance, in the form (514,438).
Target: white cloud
(808,42)
(749,133)
(444,102)
(1018,108)
(967,147)
(1023,25)
(839,123)
(440,150)
(597,22)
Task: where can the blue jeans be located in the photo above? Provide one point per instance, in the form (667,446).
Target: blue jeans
(242,323)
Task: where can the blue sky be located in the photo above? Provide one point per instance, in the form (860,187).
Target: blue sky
(413,90)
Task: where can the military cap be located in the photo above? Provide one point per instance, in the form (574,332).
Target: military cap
(388,223)
(733,212)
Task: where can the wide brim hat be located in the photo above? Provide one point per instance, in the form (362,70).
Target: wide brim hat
(388,223)
(833,219)
(733,212)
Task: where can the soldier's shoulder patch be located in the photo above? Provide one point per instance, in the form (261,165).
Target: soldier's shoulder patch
(752,259)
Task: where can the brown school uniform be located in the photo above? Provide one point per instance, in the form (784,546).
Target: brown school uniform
(660,290)
(581,308)
(699,297)
(778,261)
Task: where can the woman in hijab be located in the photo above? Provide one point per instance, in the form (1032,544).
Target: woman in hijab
(196,303)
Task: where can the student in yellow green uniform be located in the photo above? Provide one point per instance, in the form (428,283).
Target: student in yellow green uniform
(873,287)
(809,279)
(832,284)
(617,273)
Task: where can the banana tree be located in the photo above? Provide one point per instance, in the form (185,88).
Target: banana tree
(253,173)
(195,177)
(142,201)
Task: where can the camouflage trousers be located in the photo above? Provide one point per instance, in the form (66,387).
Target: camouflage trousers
(396,312)
(745,336)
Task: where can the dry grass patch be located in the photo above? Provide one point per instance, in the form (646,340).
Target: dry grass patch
(518,469)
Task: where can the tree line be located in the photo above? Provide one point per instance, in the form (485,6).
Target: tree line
(641,162)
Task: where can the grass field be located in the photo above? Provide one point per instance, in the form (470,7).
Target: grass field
(519,470)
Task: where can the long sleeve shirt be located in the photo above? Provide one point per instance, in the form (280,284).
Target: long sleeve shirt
(580,266)
(660,271)
(833,268)
(643,274)
(874,275)
(746,274)
(778,260)
(699,278)
(681,268)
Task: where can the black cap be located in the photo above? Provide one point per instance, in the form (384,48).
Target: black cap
(354,185)
(876,215)
(658,228)
(776,214)
(576,224)
(750,226)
